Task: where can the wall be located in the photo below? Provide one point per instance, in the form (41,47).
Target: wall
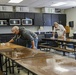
(31,28)
(5,30)
(37,10)
(8,29)
(71,17)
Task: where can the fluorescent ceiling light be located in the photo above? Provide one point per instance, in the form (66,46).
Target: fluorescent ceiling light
(15,1)
(59,4)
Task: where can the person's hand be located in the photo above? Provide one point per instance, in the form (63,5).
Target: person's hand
(7,43)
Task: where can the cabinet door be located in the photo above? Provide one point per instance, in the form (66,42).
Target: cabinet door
(62,19)
(6,15)
(38,20)
(3,38)
(55,18)
(47,19)
(1,15)
(19,15)
(29,15)
(9,36)
(11,15)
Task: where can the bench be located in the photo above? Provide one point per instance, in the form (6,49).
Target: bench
(57,49)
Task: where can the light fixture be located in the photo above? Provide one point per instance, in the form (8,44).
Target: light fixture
(15,1)
(59,4)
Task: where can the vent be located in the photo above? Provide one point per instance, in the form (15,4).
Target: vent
(58,10)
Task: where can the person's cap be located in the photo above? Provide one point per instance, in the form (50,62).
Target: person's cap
(15,28)
(55,23)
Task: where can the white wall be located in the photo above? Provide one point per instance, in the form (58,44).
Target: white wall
(5,29)
(71,16)
(8,29)
(31,28)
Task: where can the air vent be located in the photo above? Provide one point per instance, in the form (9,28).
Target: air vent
(58,10)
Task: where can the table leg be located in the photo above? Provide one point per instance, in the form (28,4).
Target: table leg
(1,62)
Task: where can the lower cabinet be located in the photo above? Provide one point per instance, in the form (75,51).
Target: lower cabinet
(5,37)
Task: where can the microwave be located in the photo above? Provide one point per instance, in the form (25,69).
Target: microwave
(15,22)
(3,22)
(26,21)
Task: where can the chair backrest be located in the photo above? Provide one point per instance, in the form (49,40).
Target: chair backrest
(40,37)
(48,35)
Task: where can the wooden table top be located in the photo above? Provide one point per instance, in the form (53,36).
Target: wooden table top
(40,62)
(14,46)
(22,53)
(50,65)
(9,46)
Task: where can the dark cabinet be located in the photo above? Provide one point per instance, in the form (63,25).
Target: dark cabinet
(62,19)
(11,15)
(47,19)
(1,15)
(5,37)
(55,18)
(6,15)
(29,15)
(19,15)
(38,20)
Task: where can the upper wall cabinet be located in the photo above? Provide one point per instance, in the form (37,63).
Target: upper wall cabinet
(29,15)
(19,15)
(11,15)
(55,18)
(47,19)
(62,19)
(8,15)
(1,15)
(38,20)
